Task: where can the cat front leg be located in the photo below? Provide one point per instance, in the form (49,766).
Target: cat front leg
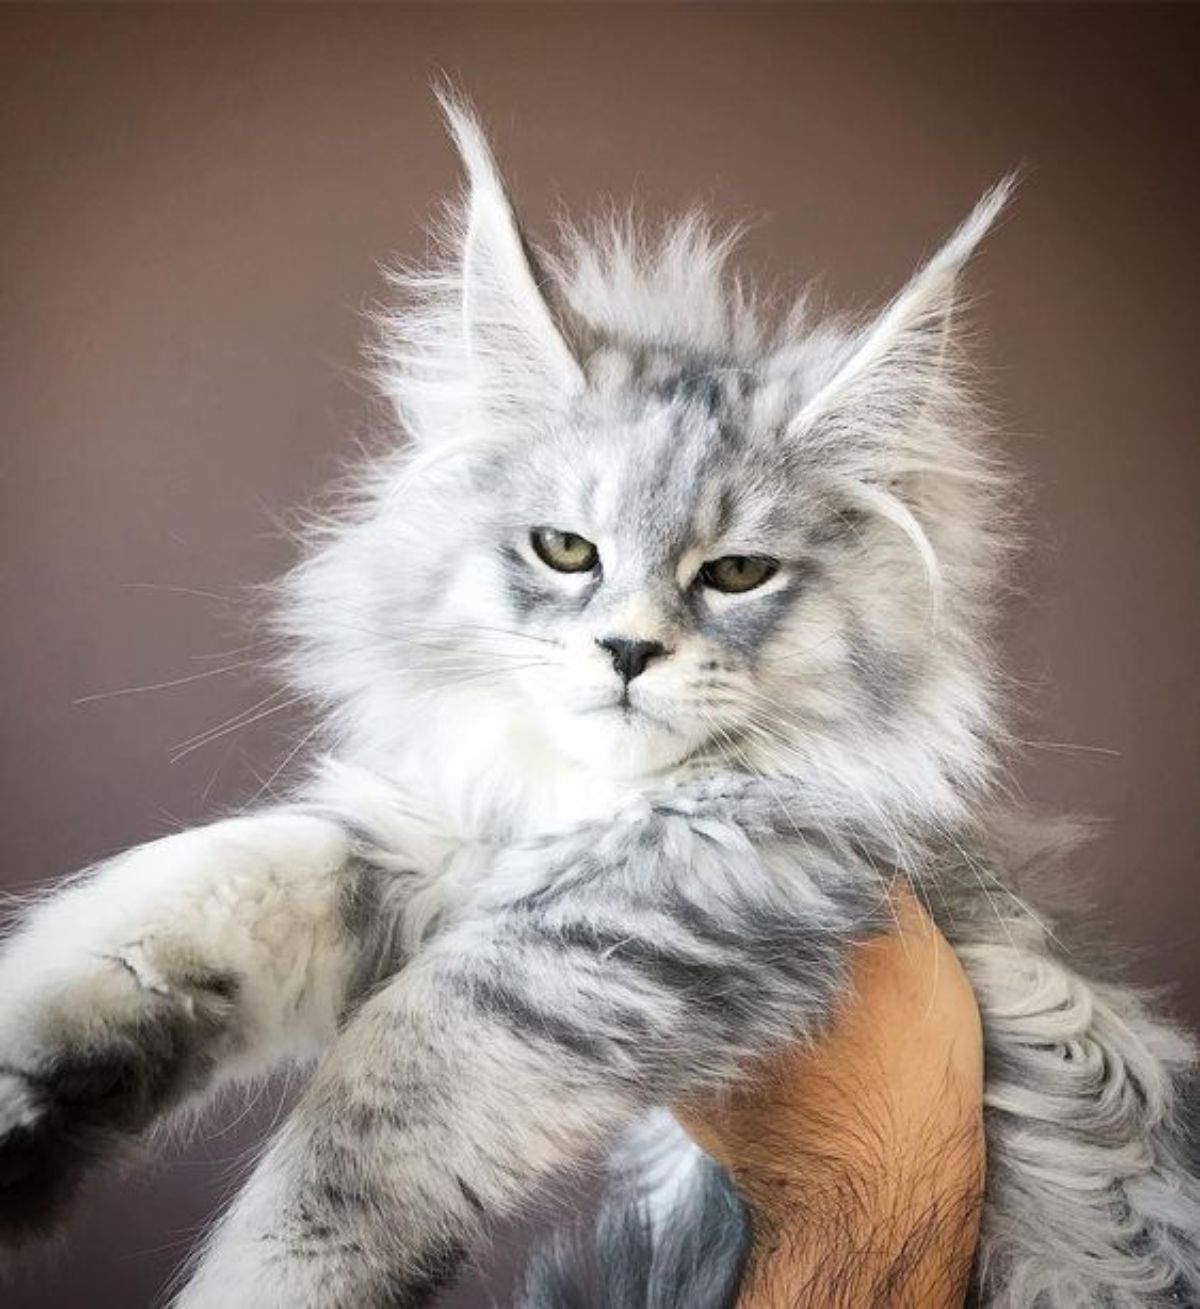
(601,973)
(167,970)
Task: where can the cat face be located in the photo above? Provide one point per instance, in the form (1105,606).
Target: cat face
(638,523)
(658,574)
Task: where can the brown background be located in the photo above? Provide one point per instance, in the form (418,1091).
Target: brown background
(195,202)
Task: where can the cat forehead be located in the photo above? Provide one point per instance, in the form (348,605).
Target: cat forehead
(673,456)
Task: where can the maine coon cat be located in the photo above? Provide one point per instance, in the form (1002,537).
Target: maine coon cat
(646,663)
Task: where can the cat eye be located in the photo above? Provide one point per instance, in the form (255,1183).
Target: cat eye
(563,551)
(736,573)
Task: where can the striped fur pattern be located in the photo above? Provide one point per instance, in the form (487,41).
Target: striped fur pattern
(1090,1113)
(531,892)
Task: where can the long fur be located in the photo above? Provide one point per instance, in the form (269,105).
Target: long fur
(523,899)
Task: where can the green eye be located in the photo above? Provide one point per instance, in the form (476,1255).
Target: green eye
(564,551)
(735,573)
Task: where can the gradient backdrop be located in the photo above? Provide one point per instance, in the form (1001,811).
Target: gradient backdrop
(195,205)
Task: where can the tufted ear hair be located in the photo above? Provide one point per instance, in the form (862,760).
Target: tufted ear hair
(891,418)
(516,352)
(885,380)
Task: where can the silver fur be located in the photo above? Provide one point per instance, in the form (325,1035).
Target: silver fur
(521,902)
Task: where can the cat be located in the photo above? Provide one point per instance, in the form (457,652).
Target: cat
(646,663)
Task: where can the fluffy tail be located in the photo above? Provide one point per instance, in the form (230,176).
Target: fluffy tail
(1093,1177)
(671,1234)
(1093,1191)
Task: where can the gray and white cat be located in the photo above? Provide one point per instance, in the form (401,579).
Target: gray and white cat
(646,664)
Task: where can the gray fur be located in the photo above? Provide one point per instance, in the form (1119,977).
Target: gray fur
(622,1262)
(372,907)
(1091,1196)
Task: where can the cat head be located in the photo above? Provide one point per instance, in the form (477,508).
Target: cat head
(633,524)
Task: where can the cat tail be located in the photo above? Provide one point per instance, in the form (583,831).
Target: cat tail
(1093,1190)
(1090,1102)
(671,1233)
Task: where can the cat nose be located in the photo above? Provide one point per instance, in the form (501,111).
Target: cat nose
(631,657)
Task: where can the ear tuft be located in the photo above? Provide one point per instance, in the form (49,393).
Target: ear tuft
(472,146)
(892,368)
(961,246)
(517,351)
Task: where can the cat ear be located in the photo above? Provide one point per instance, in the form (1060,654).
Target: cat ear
(516,352)
(870,405)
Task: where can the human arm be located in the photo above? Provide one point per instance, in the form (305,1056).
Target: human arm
(862,1158)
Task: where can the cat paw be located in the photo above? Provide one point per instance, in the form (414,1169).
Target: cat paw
(77,1111)
(22,1112)
(40,1164)
(79,1080)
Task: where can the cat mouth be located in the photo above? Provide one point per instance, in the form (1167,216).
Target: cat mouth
(631,712)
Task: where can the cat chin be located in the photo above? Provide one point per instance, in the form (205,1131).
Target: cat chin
(613,744)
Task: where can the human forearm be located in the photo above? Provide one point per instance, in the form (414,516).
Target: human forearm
(895,1226)
(862,1159)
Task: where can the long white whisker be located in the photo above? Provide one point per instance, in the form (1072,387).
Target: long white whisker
(206,738)
(163,686)
(184,590)
(287,759)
